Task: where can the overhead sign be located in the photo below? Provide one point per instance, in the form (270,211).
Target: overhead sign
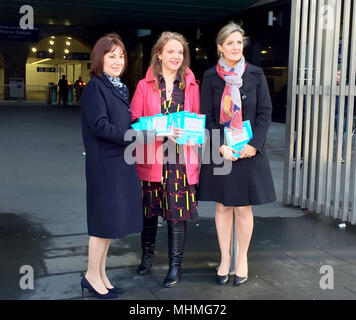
(46,69)
(14,32)
(78,56)
(44,55)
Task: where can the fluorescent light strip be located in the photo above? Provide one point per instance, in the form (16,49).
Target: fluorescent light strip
(43,60)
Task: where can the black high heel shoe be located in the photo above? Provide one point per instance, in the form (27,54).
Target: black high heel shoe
(85,284)
(239,280)
(116,290)
(222,279)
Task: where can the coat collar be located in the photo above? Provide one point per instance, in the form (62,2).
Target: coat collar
(116,92)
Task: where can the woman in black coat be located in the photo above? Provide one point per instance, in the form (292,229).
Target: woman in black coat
(114,206)
(234,91)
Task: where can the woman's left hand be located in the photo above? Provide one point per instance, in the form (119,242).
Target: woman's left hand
(247,152)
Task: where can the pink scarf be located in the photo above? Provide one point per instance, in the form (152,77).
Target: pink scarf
(230,106)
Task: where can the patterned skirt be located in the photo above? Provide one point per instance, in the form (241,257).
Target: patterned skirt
(173,199)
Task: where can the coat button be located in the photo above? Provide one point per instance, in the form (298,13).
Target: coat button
(243,97)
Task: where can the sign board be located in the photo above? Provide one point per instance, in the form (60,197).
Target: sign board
(78,56)
(44,69)
(14,32)
(44,55)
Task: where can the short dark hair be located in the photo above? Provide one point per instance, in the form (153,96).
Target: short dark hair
(104,45)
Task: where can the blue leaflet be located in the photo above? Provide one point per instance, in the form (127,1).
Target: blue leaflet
(192,123)
(237,139)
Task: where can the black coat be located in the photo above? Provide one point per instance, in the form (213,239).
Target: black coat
(114,195)
(250,181)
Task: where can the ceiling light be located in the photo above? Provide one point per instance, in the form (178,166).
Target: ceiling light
(39,61)
(51,42)
(53,37)
(264,51)
(68,43)
(66,51)
(34,49)
(50,50)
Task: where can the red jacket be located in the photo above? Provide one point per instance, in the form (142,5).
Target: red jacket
(146,102)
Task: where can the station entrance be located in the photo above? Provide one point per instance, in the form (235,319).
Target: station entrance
(50,59)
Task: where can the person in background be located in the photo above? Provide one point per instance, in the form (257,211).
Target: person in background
(63,90)
(78,87)
(113,189)
(234,91)
(169,189)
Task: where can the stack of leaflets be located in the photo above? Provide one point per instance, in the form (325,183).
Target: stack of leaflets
(192,123)
(236,139)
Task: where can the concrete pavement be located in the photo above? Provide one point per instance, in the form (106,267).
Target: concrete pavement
(43,225)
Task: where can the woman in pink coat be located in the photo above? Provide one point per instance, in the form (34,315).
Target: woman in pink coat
(169,172)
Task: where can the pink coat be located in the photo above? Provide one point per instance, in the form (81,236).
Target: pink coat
(146,102)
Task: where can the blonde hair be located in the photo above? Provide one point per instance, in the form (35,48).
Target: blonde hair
(228,29)
(157,49)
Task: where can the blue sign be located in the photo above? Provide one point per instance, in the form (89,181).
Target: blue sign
(78,56)
(15,33)
(44,55)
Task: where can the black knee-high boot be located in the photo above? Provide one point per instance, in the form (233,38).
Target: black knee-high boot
(148,242)
(176,240)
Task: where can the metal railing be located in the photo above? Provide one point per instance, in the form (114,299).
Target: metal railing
(319,172)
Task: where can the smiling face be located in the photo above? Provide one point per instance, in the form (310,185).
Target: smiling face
(232,48)
(114,62)
(172,55)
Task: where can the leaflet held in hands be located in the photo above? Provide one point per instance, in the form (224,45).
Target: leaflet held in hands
(237,139)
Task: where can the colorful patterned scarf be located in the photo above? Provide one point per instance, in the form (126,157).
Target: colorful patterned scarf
(231,107)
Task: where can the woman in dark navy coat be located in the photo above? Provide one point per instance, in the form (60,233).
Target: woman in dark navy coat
(234,91)
(114,206)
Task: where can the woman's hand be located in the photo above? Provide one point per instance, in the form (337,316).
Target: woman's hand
(247,152)
(227,153)
(177,133)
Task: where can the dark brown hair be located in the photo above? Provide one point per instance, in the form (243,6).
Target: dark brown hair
(158,49)
(105,44)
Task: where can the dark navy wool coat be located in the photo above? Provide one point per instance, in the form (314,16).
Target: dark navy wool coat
(114,199)
(250,180)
